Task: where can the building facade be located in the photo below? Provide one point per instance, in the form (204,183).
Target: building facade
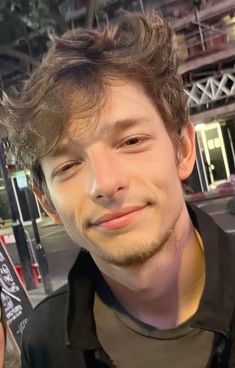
(205,43)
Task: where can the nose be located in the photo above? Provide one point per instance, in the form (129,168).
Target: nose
(109,182)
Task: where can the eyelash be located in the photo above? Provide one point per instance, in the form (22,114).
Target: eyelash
(63,169)
(140,139)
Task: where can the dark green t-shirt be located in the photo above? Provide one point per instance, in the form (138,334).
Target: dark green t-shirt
(133,344)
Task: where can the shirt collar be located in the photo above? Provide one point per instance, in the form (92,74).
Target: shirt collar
(217,301)
(82,281)
(216,305)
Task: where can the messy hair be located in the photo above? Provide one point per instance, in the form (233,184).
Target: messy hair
(75,74)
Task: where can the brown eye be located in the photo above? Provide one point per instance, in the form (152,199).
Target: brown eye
(132,141)
(67,167)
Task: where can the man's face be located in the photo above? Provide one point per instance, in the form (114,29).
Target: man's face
(117,186)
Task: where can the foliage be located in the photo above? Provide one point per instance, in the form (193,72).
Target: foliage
(24,26)
(20,17)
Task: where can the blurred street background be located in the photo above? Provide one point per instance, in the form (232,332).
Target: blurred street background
(204,34)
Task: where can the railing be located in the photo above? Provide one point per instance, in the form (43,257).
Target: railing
(212,89)
(205,38)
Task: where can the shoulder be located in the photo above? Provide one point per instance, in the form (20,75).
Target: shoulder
(56,302)
(48,317)
(208,227)
(56,298)
(44,338)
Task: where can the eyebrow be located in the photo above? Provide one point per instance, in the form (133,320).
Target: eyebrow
(122,124)
(114,127)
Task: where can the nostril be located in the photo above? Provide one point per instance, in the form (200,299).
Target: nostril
(108,195)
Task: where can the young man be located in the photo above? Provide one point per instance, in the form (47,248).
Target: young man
(102,126)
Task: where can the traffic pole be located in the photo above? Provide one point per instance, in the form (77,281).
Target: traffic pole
(40,252)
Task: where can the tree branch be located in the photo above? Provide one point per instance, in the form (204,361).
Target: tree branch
(6,50)
(90,13)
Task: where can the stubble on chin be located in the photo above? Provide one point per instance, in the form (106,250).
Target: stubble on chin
(128,257)
(139,257)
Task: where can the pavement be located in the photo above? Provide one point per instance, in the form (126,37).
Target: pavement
(38,294)
(217,193)
(66,255)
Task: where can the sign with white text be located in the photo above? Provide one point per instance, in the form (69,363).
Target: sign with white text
(15,299)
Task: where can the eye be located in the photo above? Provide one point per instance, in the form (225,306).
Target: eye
(135,143)
(132,141)
(66,169)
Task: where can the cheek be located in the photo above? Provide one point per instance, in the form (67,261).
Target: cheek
(162,173)
(66,201)
(71,208)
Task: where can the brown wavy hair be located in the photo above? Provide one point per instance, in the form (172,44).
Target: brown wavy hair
(74,77)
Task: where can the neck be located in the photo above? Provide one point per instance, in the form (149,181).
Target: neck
(164,291)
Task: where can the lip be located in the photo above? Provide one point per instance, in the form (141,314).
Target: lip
(118,219)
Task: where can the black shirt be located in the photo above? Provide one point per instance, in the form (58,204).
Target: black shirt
(62,333)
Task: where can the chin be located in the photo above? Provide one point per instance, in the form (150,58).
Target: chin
(138,257)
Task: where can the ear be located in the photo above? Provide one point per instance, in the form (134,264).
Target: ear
(47,205)
(186,151)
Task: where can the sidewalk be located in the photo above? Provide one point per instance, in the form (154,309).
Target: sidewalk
(38,294)
(64,254)
(7,227)
(213,194)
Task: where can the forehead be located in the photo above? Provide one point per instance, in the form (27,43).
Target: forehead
(76,139)
(125,106)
